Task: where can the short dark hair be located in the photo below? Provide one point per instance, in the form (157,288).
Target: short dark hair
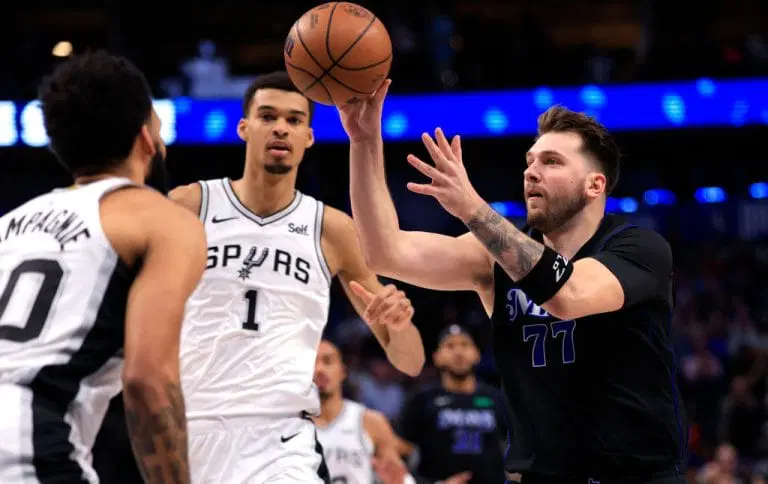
(94,105)
(596,139)
(274,80)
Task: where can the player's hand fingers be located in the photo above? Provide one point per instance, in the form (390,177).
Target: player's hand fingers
(444,146)
(381,92)
(373,311)
(388,302)
(425,168)
(460,478)
(396,307)
(364,294)
(456,148)
(423,189)
(435,153)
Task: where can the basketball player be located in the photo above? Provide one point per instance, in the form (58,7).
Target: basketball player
(93,282)
(460,425)
(580,300)
(254,323)
(353,437)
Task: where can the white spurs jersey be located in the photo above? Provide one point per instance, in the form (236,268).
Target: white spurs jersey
(254,322)
(347,447)
(63,292)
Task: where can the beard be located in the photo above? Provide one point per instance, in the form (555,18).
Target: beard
(157,177)
(277,168)
(557,212)
(324,395)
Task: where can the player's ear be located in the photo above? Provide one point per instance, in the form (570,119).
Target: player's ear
(310,138)
(596,184)
(242,130)
(146,142)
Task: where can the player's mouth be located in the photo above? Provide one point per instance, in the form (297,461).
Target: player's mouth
(534,195)
(278,148)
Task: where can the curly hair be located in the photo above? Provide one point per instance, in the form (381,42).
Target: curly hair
(94,106)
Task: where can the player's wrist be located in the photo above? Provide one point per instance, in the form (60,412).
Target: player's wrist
(547,276)
(366,140)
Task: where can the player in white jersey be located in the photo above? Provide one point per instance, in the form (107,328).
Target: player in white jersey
(93,281)
(355,439)
(253,325)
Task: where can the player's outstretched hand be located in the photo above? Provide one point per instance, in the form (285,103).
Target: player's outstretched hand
(450,183)
(362,120)
(390,308)
(461,478)
(390,470)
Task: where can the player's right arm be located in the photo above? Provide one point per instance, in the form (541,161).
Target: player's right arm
(188,196)
(424,259)
(167,245)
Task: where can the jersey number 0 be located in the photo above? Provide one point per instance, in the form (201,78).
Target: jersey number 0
(37,315)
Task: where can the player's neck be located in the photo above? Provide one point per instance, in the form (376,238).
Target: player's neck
(571,236)
(330,408)
(123,171)
(459,385)
(263,193)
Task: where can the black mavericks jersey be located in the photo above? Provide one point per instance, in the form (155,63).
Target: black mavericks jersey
(597,396)
(457,432)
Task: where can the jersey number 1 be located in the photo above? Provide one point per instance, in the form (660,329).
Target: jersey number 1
(40,307)
(251,298)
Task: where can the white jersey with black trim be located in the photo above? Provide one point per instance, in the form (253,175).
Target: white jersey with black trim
(63,292)
(347,447)
(254,323)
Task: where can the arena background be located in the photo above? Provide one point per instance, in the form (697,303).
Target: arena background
(683,83)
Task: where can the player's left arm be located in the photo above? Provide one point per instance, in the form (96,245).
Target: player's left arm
(635,265)
(402,343)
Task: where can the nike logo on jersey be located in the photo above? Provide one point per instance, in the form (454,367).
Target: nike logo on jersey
(220,220)
(286,439)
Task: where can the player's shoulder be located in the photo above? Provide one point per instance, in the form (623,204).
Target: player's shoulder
(427,392)
(189,196)
(136,216)
(335,219)
(337,225)
(374,421)
(621,232)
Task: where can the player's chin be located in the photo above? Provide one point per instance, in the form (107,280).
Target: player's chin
(277,167)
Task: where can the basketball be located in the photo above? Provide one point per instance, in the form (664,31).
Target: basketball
(338,53)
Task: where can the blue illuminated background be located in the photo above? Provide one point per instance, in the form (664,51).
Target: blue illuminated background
(634,107)
(659,106)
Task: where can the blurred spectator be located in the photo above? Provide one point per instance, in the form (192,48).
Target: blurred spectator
(379,390)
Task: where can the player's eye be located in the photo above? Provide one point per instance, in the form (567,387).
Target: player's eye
(294,121)
(550,161)
(268,117)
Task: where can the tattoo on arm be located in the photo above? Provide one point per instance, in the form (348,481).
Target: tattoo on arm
(515,252)
(159,436)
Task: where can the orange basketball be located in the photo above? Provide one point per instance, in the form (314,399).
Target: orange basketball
(338,53)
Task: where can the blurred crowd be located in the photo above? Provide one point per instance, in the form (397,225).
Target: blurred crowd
(438,45)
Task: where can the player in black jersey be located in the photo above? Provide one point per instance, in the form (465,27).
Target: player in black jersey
(581,302)
(459,426)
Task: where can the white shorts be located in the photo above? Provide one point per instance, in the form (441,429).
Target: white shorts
(248,451)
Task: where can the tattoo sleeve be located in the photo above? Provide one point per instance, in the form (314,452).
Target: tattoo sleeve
(515,252)
(157,425)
